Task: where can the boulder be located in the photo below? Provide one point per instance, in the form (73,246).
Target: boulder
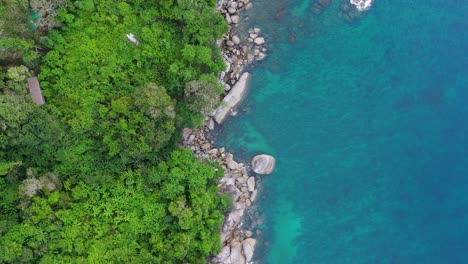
(233,98)
(224,256)
(236,253)
(253,196)
(259,41)
(236,215)
(261,56)
(248,233)
(232,165)
(263,164)
(251,184)
(235,19)
(228,19)
(235,39)
(248,246)
(206,146)
(211,124)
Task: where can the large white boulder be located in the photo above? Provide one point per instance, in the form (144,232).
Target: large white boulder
(263,164)
(236,253)
(248,246)
(233,98)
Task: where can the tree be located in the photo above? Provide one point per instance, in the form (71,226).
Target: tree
(137,127)
(202,96)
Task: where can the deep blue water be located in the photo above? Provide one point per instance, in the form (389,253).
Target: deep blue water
(369,124)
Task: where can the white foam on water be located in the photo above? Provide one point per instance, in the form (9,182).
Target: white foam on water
(361,5)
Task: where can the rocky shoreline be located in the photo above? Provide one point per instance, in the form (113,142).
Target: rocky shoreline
(238,244)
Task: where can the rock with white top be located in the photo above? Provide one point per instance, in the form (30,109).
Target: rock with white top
(259,41)
(263,164)
(248,246)
(233,98)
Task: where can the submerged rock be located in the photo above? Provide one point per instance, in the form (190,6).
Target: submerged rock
(263,164)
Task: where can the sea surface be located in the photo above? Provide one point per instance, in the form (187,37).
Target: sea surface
(368,121)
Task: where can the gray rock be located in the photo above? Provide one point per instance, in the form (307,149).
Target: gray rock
(235,19)
(232,165)
(239,206)
(224,256)
(253,36)
(231,10)
(234,4)
(256,30)
(213,151)
(236,215)
(261,56)
(236,253)
(251,184)
(211,124)
(229,43)
(263,164)
(256,52)
(229,157)
(228,19)
(248,246)
(248,233)
(253,196)
(259,41)
(206,146)
(242,179)
(248,6)
(233,98)
(235,39)
(190,139)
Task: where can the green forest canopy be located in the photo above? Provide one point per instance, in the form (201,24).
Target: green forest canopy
(93,176)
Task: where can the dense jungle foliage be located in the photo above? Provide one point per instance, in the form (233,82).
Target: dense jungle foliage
(94,175)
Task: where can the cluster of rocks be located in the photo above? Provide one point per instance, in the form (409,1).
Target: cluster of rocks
(230,9)
(319,5)
(238,51)
(238,245)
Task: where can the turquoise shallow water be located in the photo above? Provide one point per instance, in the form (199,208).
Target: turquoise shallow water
(368,122)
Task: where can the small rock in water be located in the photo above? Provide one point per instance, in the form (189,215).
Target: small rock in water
(259,41)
